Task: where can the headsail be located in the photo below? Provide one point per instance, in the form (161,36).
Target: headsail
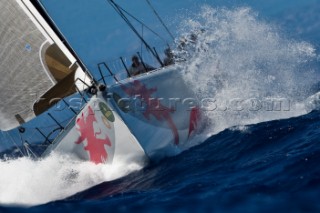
(31,63)
(23,75)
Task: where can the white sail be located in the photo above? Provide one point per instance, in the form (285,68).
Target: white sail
(23,75)
(31,62)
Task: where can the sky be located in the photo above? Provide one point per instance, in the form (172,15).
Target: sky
(98,34)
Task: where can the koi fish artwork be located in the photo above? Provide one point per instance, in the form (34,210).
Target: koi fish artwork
(95,146)
(153,107)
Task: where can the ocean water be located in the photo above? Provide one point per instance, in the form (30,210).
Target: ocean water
(259,151)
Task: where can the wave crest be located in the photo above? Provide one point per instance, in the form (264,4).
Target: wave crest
(239,56)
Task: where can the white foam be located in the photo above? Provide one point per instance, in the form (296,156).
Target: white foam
(27,182)
(248,67)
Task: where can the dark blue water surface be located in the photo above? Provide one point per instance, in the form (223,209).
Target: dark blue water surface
(272,166)
(266,167)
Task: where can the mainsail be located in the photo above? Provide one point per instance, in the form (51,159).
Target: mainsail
(23,76)
(30,65)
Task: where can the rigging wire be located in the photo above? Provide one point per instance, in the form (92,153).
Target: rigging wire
(122,15)
(161,21)
(143,24)
(142,32)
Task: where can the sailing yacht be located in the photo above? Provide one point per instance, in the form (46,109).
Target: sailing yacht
(77,103)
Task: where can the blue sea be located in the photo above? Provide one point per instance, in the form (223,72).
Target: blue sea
(259,149)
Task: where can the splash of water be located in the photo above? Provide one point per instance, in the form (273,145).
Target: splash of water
(244,70)
(27,182)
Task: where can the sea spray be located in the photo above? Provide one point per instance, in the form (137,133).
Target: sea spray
(243,69)
(28,182)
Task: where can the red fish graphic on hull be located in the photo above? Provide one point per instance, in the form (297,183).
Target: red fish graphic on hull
(194,120)
(95,146)
(153,105)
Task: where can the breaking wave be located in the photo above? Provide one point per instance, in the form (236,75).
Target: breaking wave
(245,70)
(27,182)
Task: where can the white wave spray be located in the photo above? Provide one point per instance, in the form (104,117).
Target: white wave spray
(27,182)
(245,70)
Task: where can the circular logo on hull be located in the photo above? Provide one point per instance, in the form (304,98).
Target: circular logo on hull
(105,110)
(106,122)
